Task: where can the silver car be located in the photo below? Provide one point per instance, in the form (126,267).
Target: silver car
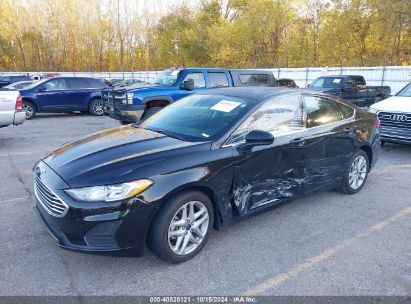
(11,108)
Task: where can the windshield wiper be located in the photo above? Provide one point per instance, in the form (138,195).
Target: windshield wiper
(168,133)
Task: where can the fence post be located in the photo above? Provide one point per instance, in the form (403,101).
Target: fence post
(383,70)
(306,76)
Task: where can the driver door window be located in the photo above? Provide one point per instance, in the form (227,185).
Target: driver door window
(281,117)
(198,78)
(56,84)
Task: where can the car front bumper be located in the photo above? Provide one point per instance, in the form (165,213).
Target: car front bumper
(125,113)
(115,227)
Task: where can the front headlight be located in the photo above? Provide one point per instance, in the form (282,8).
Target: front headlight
(111,192)
(130,97)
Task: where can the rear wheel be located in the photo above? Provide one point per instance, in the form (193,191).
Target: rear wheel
(182,227)
(96,107)
(30,109)
(356,173)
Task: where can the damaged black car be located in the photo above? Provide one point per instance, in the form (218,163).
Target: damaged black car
(206,161)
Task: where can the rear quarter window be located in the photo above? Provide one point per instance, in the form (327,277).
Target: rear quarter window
(346,111)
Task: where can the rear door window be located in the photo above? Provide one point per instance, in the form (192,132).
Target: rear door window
(217,79)
(77,83)
(320,111)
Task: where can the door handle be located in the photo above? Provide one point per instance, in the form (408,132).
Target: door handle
(348,130)
(298,141)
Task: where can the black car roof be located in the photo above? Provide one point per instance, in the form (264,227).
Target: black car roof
(255,93)
(341,76)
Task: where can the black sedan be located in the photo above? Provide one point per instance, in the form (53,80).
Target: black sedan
(209,160)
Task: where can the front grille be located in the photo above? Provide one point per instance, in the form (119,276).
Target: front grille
(399,120)
(395,125)
(50,201)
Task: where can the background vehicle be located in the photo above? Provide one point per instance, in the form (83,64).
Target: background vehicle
(18,85)
(395,116)
(285,82)
(351,88)
(209,160)
(63,94)
(11,108)
(139,101)
(127,82)
(6,80)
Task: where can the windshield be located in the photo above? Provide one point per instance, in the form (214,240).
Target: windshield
(22,85)
(406,92)
(34,84)
(328,82)
(198,117)
(168,78)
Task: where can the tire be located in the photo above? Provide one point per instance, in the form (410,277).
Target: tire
(123,122)
(169,247)
(356,164)
(30,110)
(96,107)
(151,111)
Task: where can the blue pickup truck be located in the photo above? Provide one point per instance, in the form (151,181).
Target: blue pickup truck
(63,94)
(141,100)
(352,88)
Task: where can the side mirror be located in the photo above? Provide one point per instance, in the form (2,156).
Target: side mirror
(308,85)
(188,84)
(41,88)
(259,138)
(348,87)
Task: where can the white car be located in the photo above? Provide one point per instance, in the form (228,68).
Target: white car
(11,108)
(395,117)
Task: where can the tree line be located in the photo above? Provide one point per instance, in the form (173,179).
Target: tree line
(121,35)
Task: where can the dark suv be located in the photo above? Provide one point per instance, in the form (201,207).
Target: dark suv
(6,80)
(64,94)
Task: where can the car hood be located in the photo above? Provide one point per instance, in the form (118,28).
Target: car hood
(394,104)
(113,156)
(144,87)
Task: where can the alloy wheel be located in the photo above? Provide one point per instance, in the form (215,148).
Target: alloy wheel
(98,107)
(188,228)
(28,109)
(358,172)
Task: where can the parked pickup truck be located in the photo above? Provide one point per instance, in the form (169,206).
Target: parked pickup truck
(11,108)
(351,88)
(141,100)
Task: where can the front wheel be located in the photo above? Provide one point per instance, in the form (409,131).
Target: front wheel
(182,227)
(96,107)
(356,173)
